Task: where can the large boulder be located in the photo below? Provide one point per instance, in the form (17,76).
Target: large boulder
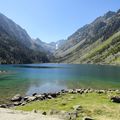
(16,98)
(17,103)
(3,106)
(115,99)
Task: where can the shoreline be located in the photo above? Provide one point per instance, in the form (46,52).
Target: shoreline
(71,104)
(19,100)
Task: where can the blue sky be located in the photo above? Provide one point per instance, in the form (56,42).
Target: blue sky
(52,20)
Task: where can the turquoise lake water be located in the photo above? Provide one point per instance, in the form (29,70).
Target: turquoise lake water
(29,78)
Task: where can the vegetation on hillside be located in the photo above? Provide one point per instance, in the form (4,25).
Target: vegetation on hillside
(98,42)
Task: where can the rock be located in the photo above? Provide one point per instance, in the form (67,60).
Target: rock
(101,91)
(54,95)
(34,94)
(44,113)
(3,106)
(17,97)
(62,91)
(34,111)
(115,99)
(40,97)
(10,105)
(23,103)
(86,91)
(77,107)
(81,91)
(87,118)
(25,98)
(49,97)
(31,98)
(17,103)
(45,95)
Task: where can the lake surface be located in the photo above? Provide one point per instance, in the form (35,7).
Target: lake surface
(29,78)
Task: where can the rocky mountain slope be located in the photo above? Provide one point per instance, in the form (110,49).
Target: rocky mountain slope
(16,46)
(98,42)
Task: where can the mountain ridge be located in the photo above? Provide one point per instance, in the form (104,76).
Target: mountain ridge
(80,47)
(16,45)
(86,38)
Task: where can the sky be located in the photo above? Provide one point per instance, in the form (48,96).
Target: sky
(53,20)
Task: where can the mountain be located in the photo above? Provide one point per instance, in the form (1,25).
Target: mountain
(49,47)
(98,42)
(16,46)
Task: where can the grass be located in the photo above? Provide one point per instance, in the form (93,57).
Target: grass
(95,105)
(102,46)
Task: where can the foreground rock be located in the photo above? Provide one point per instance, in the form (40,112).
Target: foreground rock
(115,99)
(17,97)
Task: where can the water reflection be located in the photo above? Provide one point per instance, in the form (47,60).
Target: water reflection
(27,79)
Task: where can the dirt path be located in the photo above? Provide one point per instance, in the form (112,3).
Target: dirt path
(6,114)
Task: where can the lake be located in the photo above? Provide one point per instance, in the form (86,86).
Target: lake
(29,78)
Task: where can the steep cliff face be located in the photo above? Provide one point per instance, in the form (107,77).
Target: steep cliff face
(98,42)
(16,45)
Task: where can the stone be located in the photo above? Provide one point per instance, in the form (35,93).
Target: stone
(34,94)
(44,113)
(40,97)
(34,111)
(17,103)
(3,106)
(23,103)
(31,98)
(49,97)
(100,91)
(115,99)
(54,95)
(63,91)
(17,97)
